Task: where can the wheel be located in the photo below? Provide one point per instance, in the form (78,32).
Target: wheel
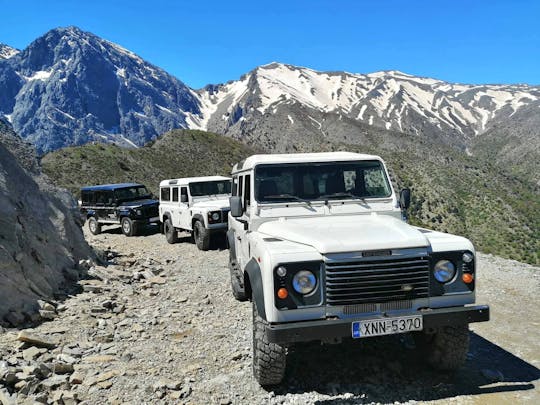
(446,349)
(128,227)
(201,235)
(269,359)
(171,234)
(237,279)
(94,226)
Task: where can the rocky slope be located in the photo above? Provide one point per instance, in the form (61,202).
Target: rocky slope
(41,241)
(159,324)
(71,87)
(7,51)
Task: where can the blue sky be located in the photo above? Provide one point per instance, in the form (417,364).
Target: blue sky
(204,42)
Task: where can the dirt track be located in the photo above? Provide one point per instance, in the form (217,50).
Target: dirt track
(183,339)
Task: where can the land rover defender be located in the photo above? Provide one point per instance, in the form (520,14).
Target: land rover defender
(319,244)
(199,205)
(129,205)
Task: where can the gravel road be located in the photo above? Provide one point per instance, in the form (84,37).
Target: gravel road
(159,325)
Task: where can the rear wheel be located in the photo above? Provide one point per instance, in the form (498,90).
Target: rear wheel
(201,235)
(128,227)
(94,226)
(269,359)
(447,348)
(171,234)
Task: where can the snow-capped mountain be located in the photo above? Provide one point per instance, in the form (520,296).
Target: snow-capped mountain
(7,51)
(389,100)
(71,87)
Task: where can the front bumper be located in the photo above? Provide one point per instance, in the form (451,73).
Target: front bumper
(306,331)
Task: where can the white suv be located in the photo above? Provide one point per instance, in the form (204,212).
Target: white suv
(318,243)
(199,205)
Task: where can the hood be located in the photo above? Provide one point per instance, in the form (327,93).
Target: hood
(139,203)
(348,233)
(212,204)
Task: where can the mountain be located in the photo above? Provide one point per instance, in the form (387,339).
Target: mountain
(7,51)
(179,153)
(452,113)
(70,87)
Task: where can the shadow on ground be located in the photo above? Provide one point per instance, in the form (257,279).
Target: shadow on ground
(384,370)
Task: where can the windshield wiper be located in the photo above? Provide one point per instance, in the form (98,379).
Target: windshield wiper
(345,194)
(289,197)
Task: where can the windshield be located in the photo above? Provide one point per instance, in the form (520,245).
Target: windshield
(321,181)
(210,187)
(131,193)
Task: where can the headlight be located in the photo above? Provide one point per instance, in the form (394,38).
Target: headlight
(139,212)
(281,271)
(215,216)
(304,282)
(444,271)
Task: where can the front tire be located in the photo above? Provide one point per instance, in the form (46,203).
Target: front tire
(269,359)
(171,234)
(201,235)
(94,226)
(447,348)
(128,227)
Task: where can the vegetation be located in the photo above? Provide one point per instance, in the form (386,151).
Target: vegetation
(179,153)
(451,192)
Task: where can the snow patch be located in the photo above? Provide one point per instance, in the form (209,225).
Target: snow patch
(40,75)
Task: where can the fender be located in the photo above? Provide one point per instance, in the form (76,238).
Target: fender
(257,293)
(90,213)
(197,217)
(166,215)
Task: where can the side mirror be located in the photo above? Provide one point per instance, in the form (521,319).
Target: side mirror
(236,206)
(183,198)
(405,198)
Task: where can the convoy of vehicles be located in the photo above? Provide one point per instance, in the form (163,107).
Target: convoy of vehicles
(318,243)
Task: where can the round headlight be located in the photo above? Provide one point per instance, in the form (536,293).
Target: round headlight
(444,271)
(215,216)
(467,257)
(304,282)
(281,271)
(139,212)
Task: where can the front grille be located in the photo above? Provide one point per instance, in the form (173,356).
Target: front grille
(377,281)
(151,211)
(373,307)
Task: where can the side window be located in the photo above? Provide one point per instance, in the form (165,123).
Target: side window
(165,194)
(85,197)
(234,186)
(175,194)
(240,185)
(247,192)
(183,192)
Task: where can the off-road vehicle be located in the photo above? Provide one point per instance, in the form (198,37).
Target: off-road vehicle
(199,205)
(319,244)
(129,205)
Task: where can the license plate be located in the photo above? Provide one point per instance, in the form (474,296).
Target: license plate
(153,219)
(386,326)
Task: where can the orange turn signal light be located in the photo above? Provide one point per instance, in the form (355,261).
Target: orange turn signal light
(282,293)
(467,278)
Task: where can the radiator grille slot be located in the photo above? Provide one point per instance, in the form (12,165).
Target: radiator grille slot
(377,281)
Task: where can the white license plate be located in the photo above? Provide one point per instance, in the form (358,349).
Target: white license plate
(153,219)
(386,326)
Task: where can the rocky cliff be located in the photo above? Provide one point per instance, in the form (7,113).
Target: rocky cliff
(41,241)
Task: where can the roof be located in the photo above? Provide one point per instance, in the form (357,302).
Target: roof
(110,186)
(254,160)
(186,180)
